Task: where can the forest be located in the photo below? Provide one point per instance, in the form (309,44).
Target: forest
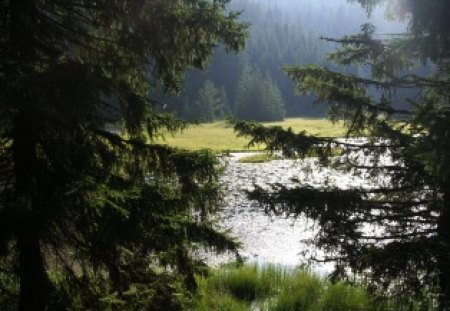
(99,212)
(280,34)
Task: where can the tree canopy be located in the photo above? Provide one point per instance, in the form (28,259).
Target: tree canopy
(94,217)
(397,231)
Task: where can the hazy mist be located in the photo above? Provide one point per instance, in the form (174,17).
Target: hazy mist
(325,17)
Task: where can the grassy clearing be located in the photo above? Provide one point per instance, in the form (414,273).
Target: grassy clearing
(219,136)
(273,288)
(314,126)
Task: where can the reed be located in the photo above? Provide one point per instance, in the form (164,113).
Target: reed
(276,288)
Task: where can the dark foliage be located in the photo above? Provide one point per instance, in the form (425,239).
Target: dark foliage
(92,219)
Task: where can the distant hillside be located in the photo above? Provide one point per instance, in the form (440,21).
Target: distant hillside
(282,32)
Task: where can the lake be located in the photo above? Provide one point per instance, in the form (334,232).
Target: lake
(270,238)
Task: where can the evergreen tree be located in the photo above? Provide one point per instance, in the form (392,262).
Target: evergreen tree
(258,98)
(211,103)
(397,232)
(89,219)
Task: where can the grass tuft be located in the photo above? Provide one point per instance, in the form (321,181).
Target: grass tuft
(302,291)
(342,297)
(244,283)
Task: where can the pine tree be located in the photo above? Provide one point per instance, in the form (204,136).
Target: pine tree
(258,98)
(396,233)
(90,219)
(211,103)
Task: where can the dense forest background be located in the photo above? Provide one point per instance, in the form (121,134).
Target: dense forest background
(252,84)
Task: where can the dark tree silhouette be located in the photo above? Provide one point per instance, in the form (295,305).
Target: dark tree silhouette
(90,219)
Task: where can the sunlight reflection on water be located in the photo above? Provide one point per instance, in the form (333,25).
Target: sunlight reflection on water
(271,239)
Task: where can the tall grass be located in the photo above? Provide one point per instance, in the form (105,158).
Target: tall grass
(274,288)
(237,288)
(245,283)
(341,297)
(301,291)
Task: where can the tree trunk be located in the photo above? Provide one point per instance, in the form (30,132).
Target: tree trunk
(34,282)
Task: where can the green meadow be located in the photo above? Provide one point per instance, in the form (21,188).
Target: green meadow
(220,136)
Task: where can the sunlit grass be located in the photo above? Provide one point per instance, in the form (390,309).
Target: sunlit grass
(259,158)
(268,157)
(220,136)
(235,289)
(244,283)
(314,126)
(274,288)
(301,291)
(217,136)
(341,297)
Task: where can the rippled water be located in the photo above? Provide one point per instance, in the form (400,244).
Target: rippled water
(269,238)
